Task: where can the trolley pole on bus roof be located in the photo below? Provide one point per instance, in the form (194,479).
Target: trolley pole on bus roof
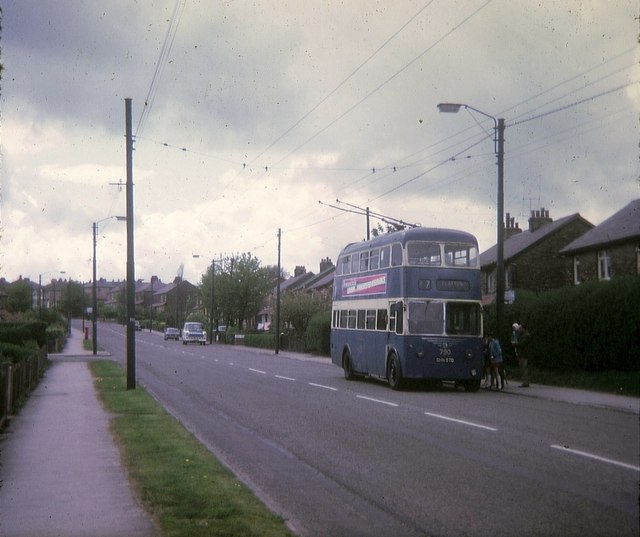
(498,126)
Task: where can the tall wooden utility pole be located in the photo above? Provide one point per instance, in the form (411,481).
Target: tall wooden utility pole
(131,275)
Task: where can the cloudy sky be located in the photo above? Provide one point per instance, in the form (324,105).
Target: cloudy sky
(250,116)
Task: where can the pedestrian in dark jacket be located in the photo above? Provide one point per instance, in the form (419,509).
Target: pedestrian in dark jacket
(521,352)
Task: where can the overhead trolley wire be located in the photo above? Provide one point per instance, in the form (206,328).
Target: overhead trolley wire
(385,82)
(344,81)
(169,38)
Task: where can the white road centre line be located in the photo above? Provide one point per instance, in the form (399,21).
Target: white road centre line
(283,378)
(463,422)
(257,371)
(323,386)
(596,457)
(377,400)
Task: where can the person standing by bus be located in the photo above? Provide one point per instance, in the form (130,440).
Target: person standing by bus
(497,371)
(486,357)
(521,353)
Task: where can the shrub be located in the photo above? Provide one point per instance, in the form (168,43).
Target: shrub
(591,327)
(265,340)
(318,333)
(19,333)
(10,352)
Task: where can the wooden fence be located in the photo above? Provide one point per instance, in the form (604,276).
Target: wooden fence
(18,380)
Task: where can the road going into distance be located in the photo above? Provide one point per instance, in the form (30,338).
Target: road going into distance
(338,458)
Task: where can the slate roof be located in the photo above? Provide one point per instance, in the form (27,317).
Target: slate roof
(296,282)
(518,243)
(323,279)
(620,227)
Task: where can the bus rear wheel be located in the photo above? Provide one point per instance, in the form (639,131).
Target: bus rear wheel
(394,376)
(347,366)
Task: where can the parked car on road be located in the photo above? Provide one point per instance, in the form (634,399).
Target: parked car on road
(138,325)
(193,333)
(171,333)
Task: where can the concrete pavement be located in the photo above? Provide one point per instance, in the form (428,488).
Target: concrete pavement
(60,470)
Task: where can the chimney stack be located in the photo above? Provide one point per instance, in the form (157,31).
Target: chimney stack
(511,227)
(538,219)
(325,264)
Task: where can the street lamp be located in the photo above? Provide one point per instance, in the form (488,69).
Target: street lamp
(498,126)
(40,287)
(94,289)
(213,279)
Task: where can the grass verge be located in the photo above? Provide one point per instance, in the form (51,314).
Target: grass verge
(617,382)
(181,484)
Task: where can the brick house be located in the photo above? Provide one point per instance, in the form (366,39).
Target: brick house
(609,249)
(173,300)
(303,281)
(532,258)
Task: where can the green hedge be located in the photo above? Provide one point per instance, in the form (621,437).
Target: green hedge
(10,352)
(591,327)
(265,340)
(19,333)
(318,335)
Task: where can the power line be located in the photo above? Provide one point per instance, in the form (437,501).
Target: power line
(576,103)
(169,37)
(351,75)
(385,82)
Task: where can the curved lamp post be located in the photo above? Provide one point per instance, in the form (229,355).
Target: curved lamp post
(498,126)
(94,290)
(212,305)
(40,287)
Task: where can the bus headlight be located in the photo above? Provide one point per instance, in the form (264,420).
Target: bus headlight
(469,355)
(473,372)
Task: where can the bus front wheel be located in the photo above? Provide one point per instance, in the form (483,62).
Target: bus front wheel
(394,375)
(347,366)
(472,385)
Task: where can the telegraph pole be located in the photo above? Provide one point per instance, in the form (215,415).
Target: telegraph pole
(500,283)
(131,276)
(278,297)
(94,296)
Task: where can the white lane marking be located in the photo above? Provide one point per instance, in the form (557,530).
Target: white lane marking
(463,422)
(596,457)
(377,400)
(283,378)
(323,386)
(257,371)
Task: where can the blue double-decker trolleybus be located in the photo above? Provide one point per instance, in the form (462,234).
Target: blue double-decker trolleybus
(406,305)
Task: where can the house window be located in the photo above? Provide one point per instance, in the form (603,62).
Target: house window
(604,265)
(491,282)
(577,271)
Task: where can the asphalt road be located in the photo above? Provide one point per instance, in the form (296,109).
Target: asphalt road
(355,459)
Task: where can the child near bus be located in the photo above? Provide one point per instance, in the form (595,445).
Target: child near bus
(486,358)
(497,370)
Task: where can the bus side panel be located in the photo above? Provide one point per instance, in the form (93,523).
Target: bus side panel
(377,353)
(337,344)
(354,341)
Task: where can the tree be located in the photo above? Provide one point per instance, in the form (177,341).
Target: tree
(240,286)
(19,296)
(74,300)
(298,307)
